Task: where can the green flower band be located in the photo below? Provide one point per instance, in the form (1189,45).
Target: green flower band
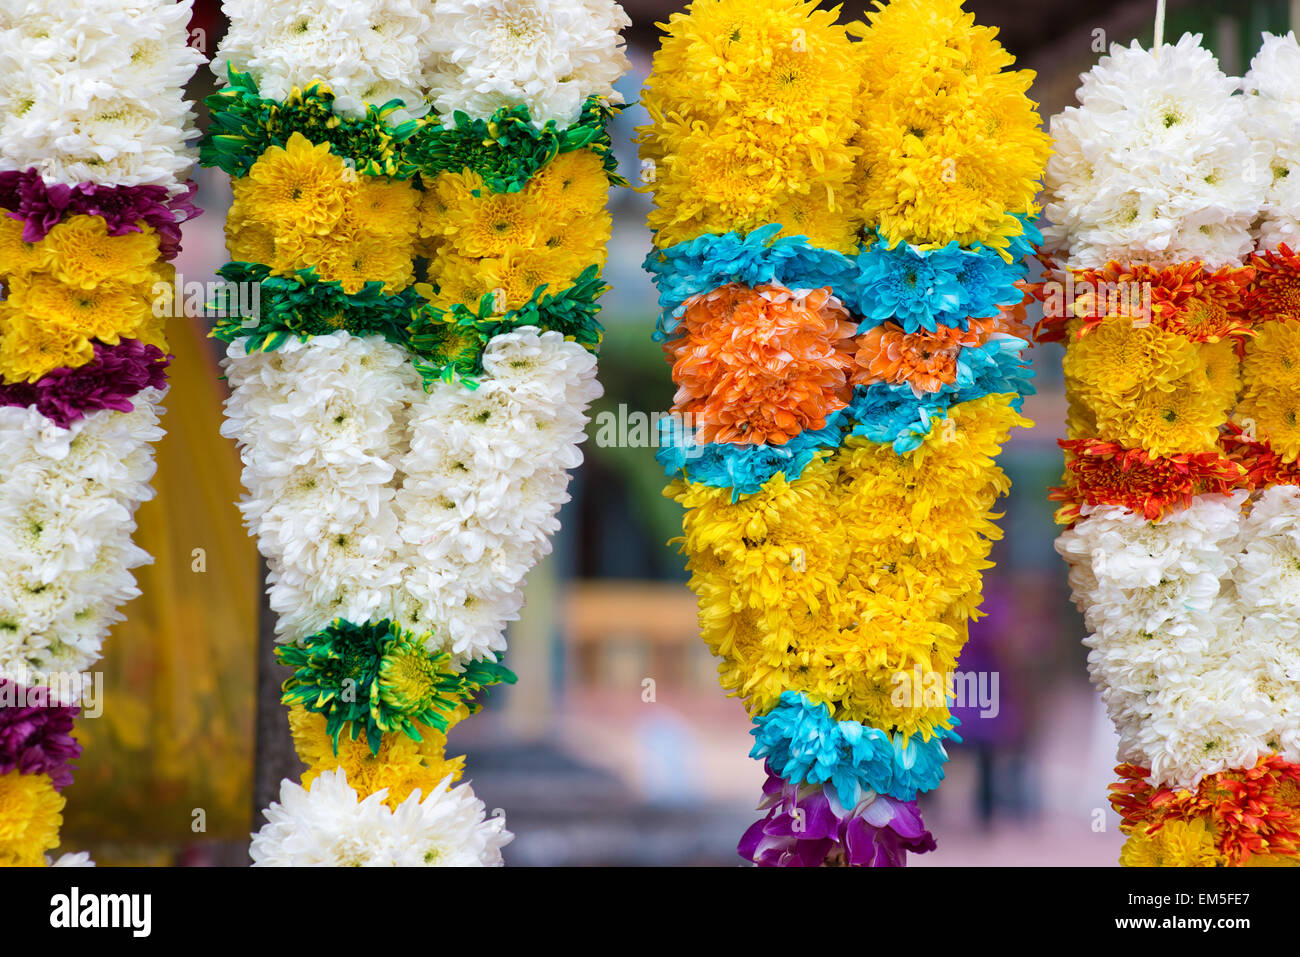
(445,344)
(506,150)
(378,678)
(448,344)
(245,125)
(304,305)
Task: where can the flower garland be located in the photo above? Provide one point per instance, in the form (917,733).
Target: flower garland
(839,258)
(93,161)
(410,393)
(1179,499)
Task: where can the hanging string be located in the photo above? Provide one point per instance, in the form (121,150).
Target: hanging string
(1159,38)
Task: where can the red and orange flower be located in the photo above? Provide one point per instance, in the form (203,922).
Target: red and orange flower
(1262,467)
(1275,293)
(1107,473)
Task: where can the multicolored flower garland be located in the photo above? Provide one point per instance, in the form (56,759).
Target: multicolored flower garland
(1179,495)
(410,393)
(839,252)
(93,160)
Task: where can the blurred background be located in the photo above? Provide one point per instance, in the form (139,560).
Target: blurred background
(616,747)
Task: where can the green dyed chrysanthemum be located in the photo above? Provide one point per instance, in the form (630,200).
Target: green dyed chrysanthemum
(304,305)
(508,149)
(245,125)
(572,312)
(377,678)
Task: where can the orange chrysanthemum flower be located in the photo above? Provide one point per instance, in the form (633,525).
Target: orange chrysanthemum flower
(763,364)
(1262,466)
(1252,811)
(1275,293)
(927,361)
(1107,473)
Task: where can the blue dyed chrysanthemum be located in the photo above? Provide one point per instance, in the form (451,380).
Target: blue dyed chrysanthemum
(925,288)
(805,744)
(742,468)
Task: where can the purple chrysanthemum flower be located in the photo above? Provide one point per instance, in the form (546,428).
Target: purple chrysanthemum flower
(36,736)
(807,826)
(41,206)
(108,381)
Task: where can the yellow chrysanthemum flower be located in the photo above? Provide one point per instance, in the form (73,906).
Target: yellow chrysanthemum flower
(1273,415)
(299,185)
(354,258)
(1167,418)
(402,764)
(573,181)
(380,206)
(46,324)
(1222,371)
(1176,844)
(951,145)
(83,254)
(545,234)
(29,349)
(1119,358)
(752,116)
(17,256)
(1272,359)
(31,813)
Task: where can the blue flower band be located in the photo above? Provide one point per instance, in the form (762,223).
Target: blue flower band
(881,412)
(916,288)
(803,743)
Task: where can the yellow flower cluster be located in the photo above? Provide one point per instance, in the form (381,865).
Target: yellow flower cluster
(856,575)
(76,285)
(402,764)
(31,813)
(1145,387)
(951,147)
(769,112)
(753,116)
(508,244)
(303,205)
(1174,844)
(1270,403)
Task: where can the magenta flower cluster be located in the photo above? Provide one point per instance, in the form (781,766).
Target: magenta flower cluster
(107,381)
(41,206)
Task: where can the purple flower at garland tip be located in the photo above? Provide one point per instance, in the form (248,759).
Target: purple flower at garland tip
(807,826)
(36,736)
(108,381)
(41,206)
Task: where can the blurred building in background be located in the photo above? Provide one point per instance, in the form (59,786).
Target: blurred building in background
(617,746)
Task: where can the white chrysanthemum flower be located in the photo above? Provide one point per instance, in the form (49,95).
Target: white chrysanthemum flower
(367,51)
(1272,97)
(320,425)
(67,511)
(1154,164)
(550,55)
(93,92)
(79,859)
(329,826)
(484,478)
